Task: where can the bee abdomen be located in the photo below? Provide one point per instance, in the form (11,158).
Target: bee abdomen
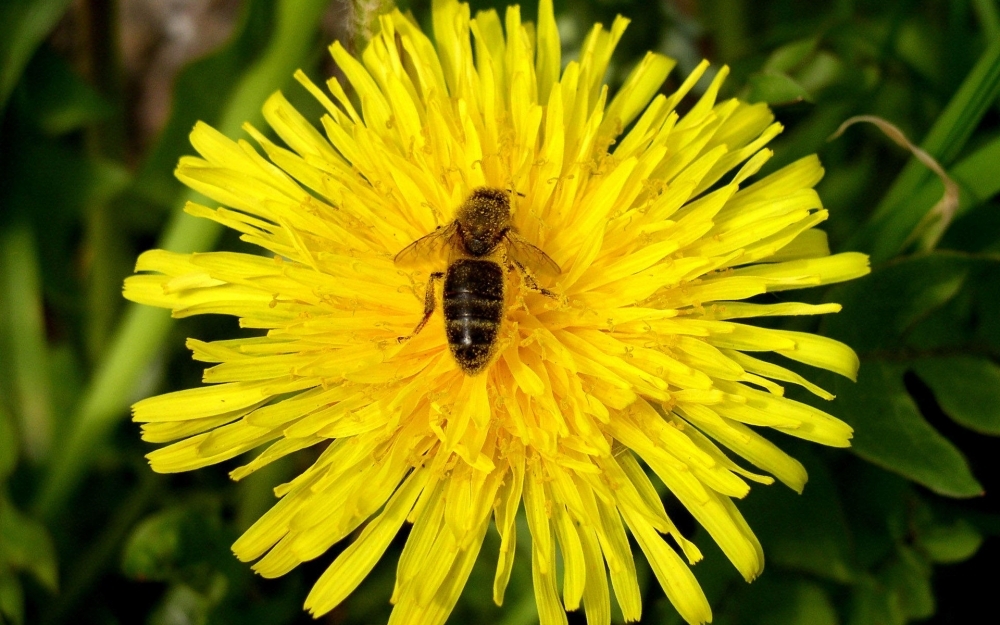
(472,306)
(473,309)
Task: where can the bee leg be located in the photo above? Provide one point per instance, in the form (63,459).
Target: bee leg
(429,305)
(530,282)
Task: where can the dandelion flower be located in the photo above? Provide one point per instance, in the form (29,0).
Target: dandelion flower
(640,364)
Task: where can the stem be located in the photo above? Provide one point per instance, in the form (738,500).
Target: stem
(143,330)
(104,139)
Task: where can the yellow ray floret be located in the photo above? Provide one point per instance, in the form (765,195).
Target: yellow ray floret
(638,356)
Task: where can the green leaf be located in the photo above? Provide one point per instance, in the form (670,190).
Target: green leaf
(948,544)
(967,388)
(909,577)
(872,604)
(822,70)
(949,328)
(23,25)
(987,303)
(11,599)
(881,307)
(803,603)
(181,604)
(25,545)
(152,550)
(56,98)
(977,230)
(183,544)
(978,177)
(878,512)
(790,56)
(889,431)
(780,600)
(775,88)
(50,187)
(977,174)
(989,16)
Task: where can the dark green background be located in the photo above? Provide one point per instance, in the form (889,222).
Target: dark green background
(894,530)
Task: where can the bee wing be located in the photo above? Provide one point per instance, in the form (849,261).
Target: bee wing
(428,247)
(530,256)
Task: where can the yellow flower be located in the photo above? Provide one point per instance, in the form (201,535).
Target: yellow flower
(639,358)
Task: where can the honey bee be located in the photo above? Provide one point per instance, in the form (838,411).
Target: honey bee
(476,243)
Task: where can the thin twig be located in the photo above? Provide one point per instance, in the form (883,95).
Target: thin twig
(934,223)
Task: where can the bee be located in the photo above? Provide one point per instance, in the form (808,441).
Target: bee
(476,243)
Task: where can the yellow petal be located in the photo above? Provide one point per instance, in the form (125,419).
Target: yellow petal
(351,566)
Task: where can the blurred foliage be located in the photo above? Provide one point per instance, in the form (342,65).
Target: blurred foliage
(894,531)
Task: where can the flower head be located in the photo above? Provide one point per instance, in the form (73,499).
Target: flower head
(631,354)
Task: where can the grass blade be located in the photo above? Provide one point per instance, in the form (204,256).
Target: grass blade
(944,142)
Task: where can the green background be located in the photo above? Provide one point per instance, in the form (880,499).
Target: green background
(895,530)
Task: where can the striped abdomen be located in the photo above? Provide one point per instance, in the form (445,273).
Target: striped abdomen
(473,309)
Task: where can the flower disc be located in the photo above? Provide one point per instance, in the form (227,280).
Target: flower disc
(642,360)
